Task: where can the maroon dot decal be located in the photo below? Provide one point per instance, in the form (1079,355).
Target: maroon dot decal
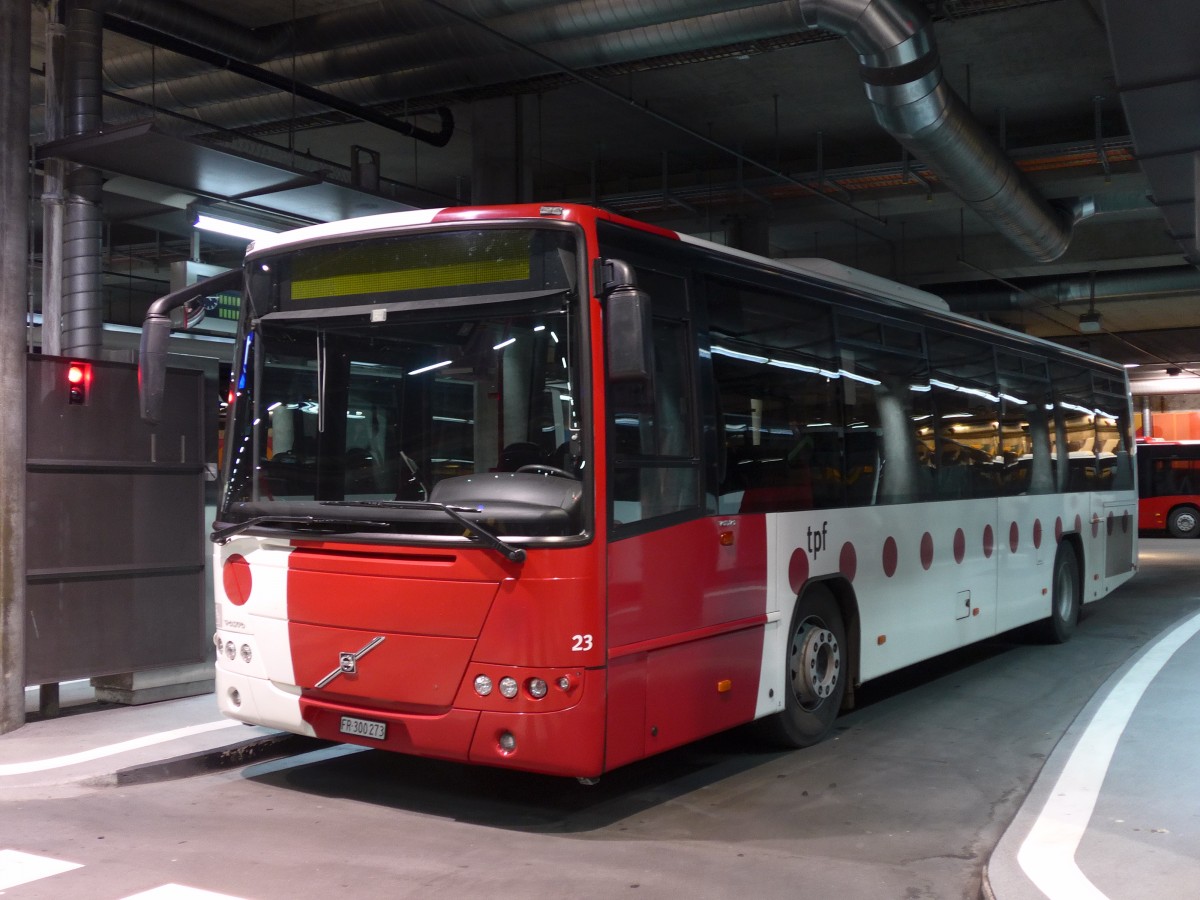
(1078,524)
(1014,537)
(891,556)
(798,570)
(926,551)
(989,541)
(848,561)
(1125,517)
(1037,533)
(236,577)
(1057,529)
(1095,525)
(960,545)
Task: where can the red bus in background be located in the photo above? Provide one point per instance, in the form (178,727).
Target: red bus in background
(1169,487)
(547,488)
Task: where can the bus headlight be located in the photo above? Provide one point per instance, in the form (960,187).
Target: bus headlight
(508,687)
(483,685)
(536,687)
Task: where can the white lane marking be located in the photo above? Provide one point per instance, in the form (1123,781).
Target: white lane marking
(1047,855)
(178,892)
(55,762)
(18,868)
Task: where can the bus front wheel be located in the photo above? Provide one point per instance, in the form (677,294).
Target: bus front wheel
(1184,522)
(1065,595)
(816,670)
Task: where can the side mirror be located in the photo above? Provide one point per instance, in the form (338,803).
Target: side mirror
(627,327)
(156,334)
(152,366)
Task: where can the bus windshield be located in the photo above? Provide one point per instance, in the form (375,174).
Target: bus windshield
(380,379)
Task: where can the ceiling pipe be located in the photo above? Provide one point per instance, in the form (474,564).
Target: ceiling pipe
(445,60)
(1102,287)
(414,63)
(82,291)
(341,26)
(280,82)
(396,31)
(894,39)
(900,66)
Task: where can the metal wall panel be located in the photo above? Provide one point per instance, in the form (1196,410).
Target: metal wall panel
(115,544)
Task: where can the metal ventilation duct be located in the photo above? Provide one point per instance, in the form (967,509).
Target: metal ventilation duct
(893,38)
(901,69)
(985,297)
(82,288)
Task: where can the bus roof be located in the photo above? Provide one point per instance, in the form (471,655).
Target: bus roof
(821,270)
(828,270)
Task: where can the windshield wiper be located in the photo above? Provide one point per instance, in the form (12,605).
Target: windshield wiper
(485,535)
(326,526)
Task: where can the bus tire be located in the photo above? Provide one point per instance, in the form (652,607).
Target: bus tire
(1184,522)
(817,666)
(1066,595)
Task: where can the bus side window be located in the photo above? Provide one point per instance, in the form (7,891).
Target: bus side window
(885,389)
(781,420)
(1025,423)
(965,423)
(1114,433)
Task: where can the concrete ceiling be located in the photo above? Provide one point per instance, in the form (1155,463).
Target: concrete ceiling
(729,120)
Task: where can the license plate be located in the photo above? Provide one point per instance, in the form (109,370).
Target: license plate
(363,728)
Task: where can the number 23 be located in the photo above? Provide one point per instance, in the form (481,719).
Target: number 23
(581,643)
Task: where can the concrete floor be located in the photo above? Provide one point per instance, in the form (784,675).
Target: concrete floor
(929,790)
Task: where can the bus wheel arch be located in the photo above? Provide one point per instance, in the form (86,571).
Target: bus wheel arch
(819,665)
(1184,521)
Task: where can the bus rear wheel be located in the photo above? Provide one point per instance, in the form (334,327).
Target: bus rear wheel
(1065,595)
(817,667)
(1184,522)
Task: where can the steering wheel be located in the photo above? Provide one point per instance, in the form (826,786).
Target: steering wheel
(548,470)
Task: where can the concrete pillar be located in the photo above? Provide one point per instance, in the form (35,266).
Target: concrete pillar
(1195,254)
(15,35)
(503,135)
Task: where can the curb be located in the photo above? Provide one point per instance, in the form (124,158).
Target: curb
(217,759)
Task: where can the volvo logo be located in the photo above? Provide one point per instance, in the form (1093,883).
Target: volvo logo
(348,662)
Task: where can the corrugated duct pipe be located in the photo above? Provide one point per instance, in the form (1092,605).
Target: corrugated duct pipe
(83,227)
(409,25)
(894,39)
(899,64)
(413,62)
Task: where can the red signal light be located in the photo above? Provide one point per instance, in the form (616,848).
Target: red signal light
(79,379)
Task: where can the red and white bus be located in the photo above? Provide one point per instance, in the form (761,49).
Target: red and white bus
(546,488)
(1169,487)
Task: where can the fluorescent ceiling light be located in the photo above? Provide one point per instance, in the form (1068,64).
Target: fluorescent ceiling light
(737,354)
(436,365)
(233,229)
